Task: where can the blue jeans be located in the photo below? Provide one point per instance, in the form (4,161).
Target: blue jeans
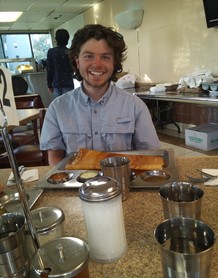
(58,92)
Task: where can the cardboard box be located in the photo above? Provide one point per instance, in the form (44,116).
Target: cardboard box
(204,137)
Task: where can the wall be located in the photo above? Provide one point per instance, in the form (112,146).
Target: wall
(172,41)
(72,26)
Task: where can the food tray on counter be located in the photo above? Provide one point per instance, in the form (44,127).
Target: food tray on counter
(140,180)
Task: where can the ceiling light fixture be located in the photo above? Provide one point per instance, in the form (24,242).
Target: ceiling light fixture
(130,19)
(9,16)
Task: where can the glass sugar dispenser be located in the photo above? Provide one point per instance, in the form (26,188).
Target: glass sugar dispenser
(102,205)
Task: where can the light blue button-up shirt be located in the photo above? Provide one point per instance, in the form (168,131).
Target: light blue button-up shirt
(119,121)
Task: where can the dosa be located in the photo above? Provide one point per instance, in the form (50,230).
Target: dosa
(90,159)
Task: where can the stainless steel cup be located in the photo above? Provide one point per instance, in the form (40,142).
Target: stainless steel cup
(186,247)
(181,199)
(13,257)
(117,167)
(48,222)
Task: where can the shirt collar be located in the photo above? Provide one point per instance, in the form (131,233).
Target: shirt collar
(102,100)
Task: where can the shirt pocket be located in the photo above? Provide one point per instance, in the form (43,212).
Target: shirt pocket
(118,136)
(76,137)
(120,125)
(72,127)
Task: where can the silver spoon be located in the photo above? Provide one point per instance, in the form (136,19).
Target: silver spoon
(206,174)
(198,180)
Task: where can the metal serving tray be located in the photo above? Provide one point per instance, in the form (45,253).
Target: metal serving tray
(137,182)
(10,199)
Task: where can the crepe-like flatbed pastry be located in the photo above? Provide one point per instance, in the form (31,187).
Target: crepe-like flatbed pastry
(90,159)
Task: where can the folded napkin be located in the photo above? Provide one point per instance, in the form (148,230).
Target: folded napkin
(27,176)
(214,172)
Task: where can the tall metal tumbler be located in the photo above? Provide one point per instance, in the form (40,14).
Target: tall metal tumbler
(13,255)
(181,199)
(117,167)
(186,247)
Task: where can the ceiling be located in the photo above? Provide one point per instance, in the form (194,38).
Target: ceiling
(42,15)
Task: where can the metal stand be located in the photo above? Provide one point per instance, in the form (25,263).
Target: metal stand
(18,180)
(168,112)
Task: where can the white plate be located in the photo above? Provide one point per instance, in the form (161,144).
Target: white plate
(213,93)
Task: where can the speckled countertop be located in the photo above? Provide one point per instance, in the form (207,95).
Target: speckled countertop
(142,213)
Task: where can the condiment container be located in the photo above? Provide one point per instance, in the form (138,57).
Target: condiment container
(48,222)
(63,257)
(13,258)
(102,205)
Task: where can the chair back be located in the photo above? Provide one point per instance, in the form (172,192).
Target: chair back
(19,85)
(29,155)
(42,113)
(33,103)
(28,103)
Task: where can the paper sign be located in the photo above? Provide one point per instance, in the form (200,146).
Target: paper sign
(7,102)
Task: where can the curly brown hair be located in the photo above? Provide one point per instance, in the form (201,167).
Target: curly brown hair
(114,40)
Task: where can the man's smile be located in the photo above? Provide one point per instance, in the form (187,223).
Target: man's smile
(96,73)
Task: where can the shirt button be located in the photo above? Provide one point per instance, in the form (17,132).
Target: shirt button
(95,111)
(96,132)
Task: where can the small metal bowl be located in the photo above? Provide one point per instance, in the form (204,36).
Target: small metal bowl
(155,176)
(11,202)
(86,175)
(60,177)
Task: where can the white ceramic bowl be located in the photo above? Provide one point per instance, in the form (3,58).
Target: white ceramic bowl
(213,94)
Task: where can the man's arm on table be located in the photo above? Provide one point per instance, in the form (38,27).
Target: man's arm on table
(55,156)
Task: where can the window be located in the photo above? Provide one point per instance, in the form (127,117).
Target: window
(40,45)
(1,50)
(18,47)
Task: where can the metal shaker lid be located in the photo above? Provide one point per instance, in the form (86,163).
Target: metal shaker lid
(64,257)
(100,188)
(47,218)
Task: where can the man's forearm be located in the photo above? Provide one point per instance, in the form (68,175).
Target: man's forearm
(55,156)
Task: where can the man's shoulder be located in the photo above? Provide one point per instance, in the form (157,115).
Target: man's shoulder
(128,98)
(52,49)
(119,90)
(68,97)
(51,52)
(123,93)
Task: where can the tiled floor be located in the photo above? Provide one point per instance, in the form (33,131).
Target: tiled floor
(179,151)
(171,139)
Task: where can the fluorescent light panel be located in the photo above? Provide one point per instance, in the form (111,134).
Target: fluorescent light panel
(9,16)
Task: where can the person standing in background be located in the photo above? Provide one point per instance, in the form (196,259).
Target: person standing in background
(59,69)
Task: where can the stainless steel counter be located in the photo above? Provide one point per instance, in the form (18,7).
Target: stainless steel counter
(176,97)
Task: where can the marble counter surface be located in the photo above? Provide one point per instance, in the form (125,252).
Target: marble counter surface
(142,213)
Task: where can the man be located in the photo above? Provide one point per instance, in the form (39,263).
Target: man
(97,115)
(59,70)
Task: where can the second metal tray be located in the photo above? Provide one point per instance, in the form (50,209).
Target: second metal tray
(10,199)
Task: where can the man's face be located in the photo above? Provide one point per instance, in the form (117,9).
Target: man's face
(95,63)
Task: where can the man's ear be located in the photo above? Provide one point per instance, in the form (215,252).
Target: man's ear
(77,61)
